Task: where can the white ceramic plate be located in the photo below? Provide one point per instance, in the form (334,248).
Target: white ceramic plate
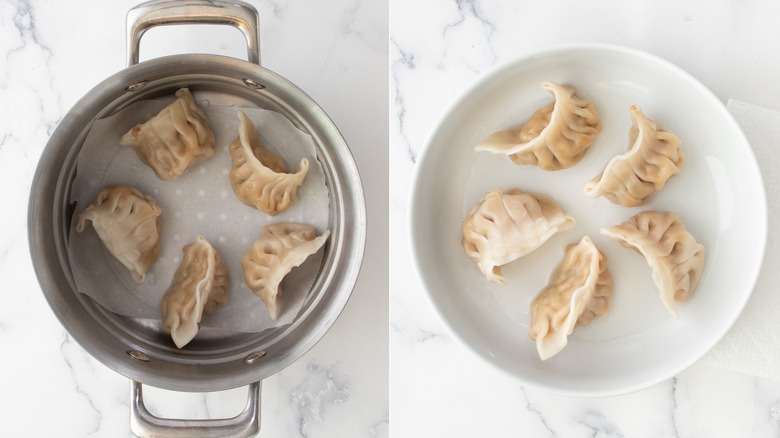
(719,195)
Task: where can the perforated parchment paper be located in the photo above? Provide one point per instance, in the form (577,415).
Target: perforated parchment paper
(200,202)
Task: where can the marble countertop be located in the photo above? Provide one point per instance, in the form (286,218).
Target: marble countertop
(53,53)
(437,49)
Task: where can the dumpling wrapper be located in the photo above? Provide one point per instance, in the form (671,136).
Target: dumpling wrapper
(674,255)
(503,227)
(555,137)
(259,178)
(280,248)
(653,157)
(580,290)
(199,285)
(128,222)
(177,137)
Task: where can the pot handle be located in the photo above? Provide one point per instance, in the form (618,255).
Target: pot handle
(154,13)
(144,424)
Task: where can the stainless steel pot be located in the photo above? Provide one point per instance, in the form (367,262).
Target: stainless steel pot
(217,360)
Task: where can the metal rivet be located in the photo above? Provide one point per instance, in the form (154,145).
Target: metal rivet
(137,355)
(136,86)
(253,84)
(254,357)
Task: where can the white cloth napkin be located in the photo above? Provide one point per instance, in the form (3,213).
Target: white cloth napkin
(752,345)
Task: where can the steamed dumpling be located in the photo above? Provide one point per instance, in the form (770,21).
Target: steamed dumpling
(128,222)
(675,257)
(653,157)
(280,247)
(198,286)
(580,290)
(555,137)
(259,178)
(174,139)
(503,227)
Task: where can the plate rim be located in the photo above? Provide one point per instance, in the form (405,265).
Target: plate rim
(480,81)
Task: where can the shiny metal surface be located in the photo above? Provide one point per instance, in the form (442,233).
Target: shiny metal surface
(155,13)
(144,424)
(215,360)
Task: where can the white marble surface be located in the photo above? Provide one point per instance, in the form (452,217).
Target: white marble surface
(51,54)
(437,49)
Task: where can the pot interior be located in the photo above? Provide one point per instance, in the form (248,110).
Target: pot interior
(217,358)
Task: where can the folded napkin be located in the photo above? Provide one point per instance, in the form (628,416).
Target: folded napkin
(752,345)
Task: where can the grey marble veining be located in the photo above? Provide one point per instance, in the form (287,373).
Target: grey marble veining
(536,413)
(401,61)
(81,367)
(472,10)
(380,427)
(312,398)
(361,23)
(27,75)
(674,406)
(599,425)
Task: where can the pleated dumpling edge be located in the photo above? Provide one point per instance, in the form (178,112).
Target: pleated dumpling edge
(259,178)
